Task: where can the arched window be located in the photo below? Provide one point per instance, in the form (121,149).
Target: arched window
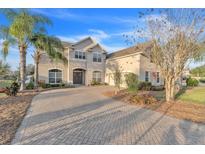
(97,76)
(55,76)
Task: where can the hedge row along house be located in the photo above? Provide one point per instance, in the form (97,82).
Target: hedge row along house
(88,61)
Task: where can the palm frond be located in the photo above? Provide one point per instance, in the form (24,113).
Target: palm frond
(9,13)
(51,45)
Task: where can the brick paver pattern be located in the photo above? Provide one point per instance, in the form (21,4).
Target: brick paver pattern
(84,116)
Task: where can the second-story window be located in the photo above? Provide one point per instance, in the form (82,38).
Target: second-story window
(157,77)
(79,55)
(146,76)
(97,57)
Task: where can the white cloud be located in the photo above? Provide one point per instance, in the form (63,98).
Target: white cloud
(113,48)
(65,14)
(56,13)
(98,35)
(68,39)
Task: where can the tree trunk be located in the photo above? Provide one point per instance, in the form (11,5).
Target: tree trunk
(169,89)
(22,67)
(172,89)
(36,74)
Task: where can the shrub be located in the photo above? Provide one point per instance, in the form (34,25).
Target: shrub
(192,82)
(30,85)
(94,83)
(131,80)
(143,99)
(202,80)
(62,85)
(144,86)
(157,88)
(70,86)
(45,85)
(13,89)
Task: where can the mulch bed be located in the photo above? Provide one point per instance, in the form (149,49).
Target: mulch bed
(177,109)
(12,112)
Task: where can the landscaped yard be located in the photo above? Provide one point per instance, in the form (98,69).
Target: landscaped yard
(190,105)
(12,111)
(4,84)
(194,95)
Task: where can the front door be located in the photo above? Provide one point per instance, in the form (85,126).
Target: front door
(78,77)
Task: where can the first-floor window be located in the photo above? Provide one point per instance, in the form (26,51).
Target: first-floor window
(55,76)
(97,76)
(157,77)
(146,76)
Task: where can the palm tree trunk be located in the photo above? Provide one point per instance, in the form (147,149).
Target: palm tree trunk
(22,67)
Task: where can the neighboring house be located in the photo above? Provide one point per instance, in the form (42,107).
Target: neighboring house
(86,62)
(133,60)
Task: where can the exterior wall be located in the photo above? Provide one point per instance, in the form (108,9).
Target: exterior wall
(135,63)
(88,65)
(146,65)
(45,65)
(126,64)
(95,66)
(67,70)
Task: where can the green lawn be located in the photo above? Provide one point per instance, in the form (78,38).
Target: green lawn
(5,83)
(195,95)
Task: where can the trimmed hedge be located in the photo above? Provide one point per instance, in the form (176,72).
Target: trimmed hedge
(30,85)
(145,86)
(202,80)
(131,80)
(191,82)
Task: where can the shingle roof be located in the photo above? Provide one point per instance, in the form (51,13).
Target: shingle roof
(66,44)
(142,47)
(84,40)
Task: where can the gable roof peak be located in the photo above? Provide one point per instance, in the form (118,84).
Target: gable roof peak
(82,40)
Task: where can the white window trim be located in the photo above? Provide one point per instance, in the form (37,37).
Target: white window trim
(97,58)
(99,73)
(78,55)
(57,69)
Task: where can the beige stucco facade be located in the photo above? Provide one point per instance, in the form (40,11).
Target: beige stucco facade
(134,63)
(129,61)
(87,66)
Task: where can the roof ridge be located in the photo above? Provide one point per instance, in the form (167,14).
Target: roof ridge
(130,50)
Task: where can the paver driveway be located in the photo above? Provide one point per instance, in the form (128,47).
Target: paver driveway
(84,116)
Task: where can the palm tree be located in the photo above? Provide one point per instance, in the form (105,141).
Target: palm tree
(22,25)
(50,45)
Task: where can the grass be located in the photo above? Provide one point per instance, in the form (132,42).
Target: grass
(5,83)
(2,95)
(194,95)
(179,109)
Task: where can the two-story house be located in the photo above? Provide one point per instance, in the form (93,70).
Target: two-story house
(86,62)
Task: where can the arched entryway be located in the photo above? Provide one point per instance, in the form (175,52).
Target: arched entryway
(78,76)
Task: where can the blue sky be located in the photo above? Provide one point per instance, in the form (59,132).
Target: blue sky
(107,26)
